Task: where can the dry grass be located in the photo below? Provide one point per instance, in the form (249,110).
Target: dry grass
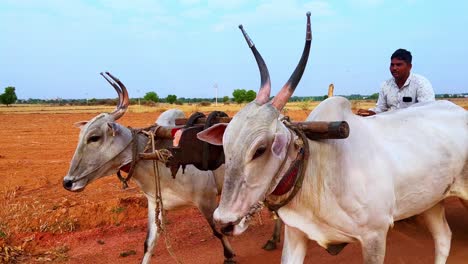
(188,108)
(306,106)
(463,102)
(40,218)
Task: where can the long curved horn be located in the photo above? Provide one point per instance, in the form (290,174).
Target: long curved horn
(265,84)
(288,89)
(124,101)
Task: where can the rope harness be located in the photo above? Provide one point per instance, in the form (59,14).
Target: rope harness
(161,155)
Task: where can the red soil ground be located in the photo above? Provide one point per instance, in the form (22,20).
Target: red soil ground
(104,222)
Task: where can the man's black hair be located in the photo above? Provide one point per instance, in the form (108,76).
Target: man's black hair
(403,55)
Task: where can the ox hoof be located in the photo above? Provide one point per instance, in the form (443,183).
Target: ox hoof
(270,245)
(230,261)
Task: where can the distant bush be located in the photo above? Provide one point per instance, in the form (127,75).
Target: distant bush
(204,103)
(304,105)
(148,103)
(109,101)
(178,102)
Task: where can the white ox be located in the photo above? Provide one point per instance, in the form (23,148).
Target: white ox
(392,166)
(105,146)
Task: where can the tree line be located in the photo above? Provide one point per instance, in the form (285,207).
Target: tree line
(151,98)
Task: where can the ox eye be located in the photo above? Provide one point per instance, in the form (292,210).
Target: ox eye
(93,139)
(259,152)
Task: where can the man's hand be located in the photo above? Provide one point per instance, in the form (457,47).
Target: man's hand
(364,112)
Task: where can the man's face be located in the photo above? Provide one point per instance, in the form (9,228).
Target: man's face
(399,68)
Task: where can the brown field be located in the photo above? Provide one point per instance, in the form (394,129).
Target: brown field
(41,222)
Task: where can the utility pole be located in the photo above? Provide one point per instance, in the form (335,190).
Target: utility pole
(138,94)
(216,94)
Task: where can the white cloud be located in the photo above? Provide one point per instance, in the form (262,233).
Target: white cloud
(277,11)
(189,2)
(319,8)
(147,7)
(196,12)
(226,4)
(219,27)
(367,3)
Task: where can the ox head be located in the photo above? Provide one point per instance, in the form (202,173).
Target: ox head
(103,145)
(255,143)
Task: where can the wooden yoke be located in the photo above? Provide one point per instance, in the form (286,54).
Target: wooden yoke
(187,149)
(315,130)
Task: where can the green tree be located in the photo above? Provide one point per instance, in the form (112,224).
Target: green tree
(9,96)
(239,95)
(250,95)
(225,99)
(374,96)
(171,98)
(151,96)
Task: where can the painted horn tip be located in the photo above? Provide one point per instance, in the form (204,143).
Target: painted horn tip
(241,26)
(308,13)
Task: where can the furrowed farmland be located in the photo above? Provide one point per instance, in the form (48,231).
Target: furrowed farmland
(41,222)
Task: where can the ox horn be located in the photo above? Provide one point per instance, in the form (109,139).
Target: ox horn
(265,84)
(288,89)
(121,91)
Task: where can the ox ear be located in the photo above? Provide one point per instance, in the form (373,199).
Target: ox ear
(80,124)
(280,143)
(214,134)
(113,127)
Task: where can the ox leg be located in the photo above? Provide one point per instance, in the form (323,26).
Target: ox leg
(152,233)
(207,208)
(373,246)
(437,225)
(295,246)
(276,237)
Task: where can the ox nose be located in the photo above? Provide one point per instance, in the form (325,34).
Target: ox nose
(226,226)
(221,216)
(67,184)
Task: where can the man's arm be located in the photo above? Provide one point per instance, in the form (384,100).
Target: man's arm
(425,93)
(381,105)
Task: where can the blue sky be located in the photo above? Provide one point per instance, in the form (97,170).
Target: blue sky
(53,48)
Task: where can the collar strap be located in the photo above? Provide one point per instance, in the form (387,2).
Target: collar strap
(129,168)
(292,179)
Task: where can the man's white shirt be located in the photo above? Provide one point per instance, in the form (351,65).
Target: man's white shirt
(415,90)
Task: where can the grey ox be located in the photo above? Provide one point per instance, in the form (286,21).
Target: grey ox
(105,146)
(392,166)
